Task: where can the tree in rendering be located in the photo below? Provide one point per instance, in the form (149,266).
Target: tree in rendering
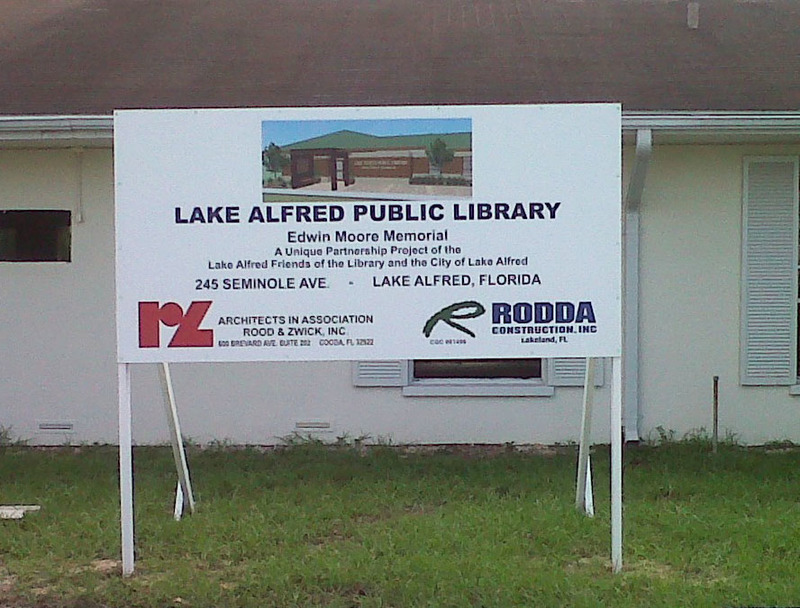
(273,158)
(438,154)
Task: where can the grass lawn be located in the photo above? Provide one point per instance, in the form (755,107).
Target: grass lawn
(314,526)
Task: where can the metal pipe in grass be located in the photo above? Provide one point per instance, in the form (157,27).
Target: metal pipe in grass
(715,433)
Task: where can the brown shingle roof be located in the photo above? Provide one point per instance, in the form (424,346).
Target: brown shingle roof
(92,56)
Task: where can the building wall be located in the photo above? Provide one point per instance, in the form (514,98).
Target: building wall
(58,357)
(57,319)
(690,298)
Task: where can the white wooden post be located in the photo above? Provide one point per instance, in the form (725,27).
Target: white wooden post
(584,481)
(125,467)
(616,465)
(176,439)
(589,502)
(178,512)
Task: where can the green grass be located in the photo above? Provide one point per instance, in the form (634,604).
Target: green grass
(312,526)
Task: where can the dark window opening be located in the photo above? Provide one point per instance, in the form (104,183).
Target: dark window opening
(35,236)
(524,369)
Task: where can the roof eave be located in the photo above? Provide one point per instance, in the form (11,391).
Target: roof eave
(667,127)
(714,127)
(59,131)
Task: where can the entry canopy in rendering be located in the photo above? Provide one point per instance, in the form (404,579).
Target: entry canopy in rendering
(453,232)
(303,168)
(304,234)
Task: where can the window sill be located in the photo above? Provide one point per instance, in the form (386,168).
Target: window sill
(477,389)
(795,390)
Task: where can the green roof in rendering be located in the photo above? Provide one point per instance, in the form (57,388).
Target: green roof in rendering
(352,140)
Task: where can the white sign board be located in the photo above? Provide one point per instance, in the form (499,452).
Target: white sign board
(368,233)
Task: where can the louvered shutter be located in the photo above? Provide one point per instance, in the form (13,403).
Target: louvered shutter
(569,371)
(380,373)
(769,272)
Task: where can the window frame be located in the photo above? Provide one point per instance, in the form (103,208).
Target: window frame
(478,387)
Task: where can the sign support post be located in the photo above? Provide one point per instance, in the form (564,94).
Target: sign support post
(583,498)
(616,464)
(125,467)
(184,495)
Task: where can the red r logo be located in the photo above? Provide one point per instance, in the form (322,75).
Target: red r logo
(152,315)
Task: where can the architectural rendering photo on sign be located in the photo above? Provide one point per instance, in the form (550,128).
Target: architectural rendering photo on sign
(368,233)
(383,159)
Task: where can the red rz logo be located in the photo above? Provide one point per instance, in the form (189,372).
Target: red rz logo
(153,314)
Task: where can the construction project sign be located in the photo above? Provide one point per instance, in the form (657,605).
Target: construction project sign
(368,233)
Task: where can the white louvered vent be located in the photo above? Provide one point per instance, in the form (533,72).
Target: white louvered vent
(313,426)
(380,373)
(55,426)
(569,371)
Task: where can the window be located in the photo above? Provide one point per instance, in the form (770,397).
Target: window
(475,377)
(523,369)
(35,236)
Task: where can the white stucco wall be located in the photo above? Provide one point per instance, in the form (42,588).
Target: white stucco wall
(690,298)
(57,319)
(57,360)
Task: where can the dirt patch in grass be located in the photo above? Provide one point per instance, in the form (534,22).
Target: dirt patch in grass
(107,566)
(651,569)
(7,584)
(638,568)
(335,535)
